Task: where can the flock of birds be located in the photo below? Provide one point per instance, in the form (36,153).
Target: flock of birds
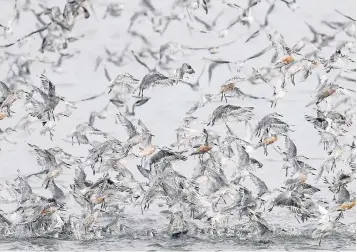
(209,201)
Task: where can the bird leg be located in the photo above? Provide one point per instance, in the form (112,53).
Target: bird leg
(286,171)
(340,216)
(265,150)
(201,158)
(8,111)
(272,103)
(293,79)
(51,135)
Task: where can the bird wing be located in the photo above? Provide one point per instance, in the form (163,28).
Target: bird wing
(4,89)
(142,126)
(45,82)
(201,103)
(194,108)
(258,54)
(262,187)
(118,103)
(350,18)
(243,157)
(162,81)
(43,94)
(290,147)
(52,90)
(343,195)
(141,102)
(130,129)
(211,67)
(143,171)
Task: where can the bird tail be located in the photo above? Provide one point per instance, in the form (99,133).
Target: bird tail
(310,103)
(309,118)
(92,97)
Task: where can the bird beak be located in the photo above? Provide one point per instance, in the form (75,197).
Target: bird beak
(67,165)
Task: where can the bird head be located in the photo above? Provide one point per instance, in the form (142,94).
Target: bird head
(187,68)
(66,165)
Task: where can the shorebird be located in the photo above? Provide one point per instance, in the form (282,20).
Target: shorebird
(202,149)
(55,172)
(230,112)
(325,224)
(9,97)
(267,141)
(126,83)
(8,27)
(114,10)
(202,199)
(153,79)
(177,225)
(271,122)
(49,126)
(81,131)
(325,92)
(200,104)
(231,90)
(118,103)
(51,100)
(180,72)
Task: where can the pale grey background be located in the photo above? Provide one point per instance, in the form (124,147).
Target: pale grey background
(167,107)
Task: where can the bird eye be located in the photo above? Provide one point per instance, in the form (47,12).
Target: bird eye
(189,67)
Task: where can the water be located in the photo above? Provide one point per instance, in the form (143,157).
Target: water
(164,112)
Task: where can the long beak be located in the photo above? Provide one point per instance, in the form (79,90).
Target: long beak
(67,165)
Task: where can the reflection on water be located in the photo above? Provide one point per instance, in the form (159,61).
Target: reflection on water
(286,242)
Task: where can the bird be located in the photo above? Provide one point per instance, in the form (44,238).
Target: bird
(202,149)
(230,112)
(146,181)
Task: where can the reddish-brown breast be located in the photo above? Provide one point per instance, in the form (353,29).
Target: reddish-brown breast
(270,140)
(287,59)
(204,149)
(2,115)
(227,87)
(347,205)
